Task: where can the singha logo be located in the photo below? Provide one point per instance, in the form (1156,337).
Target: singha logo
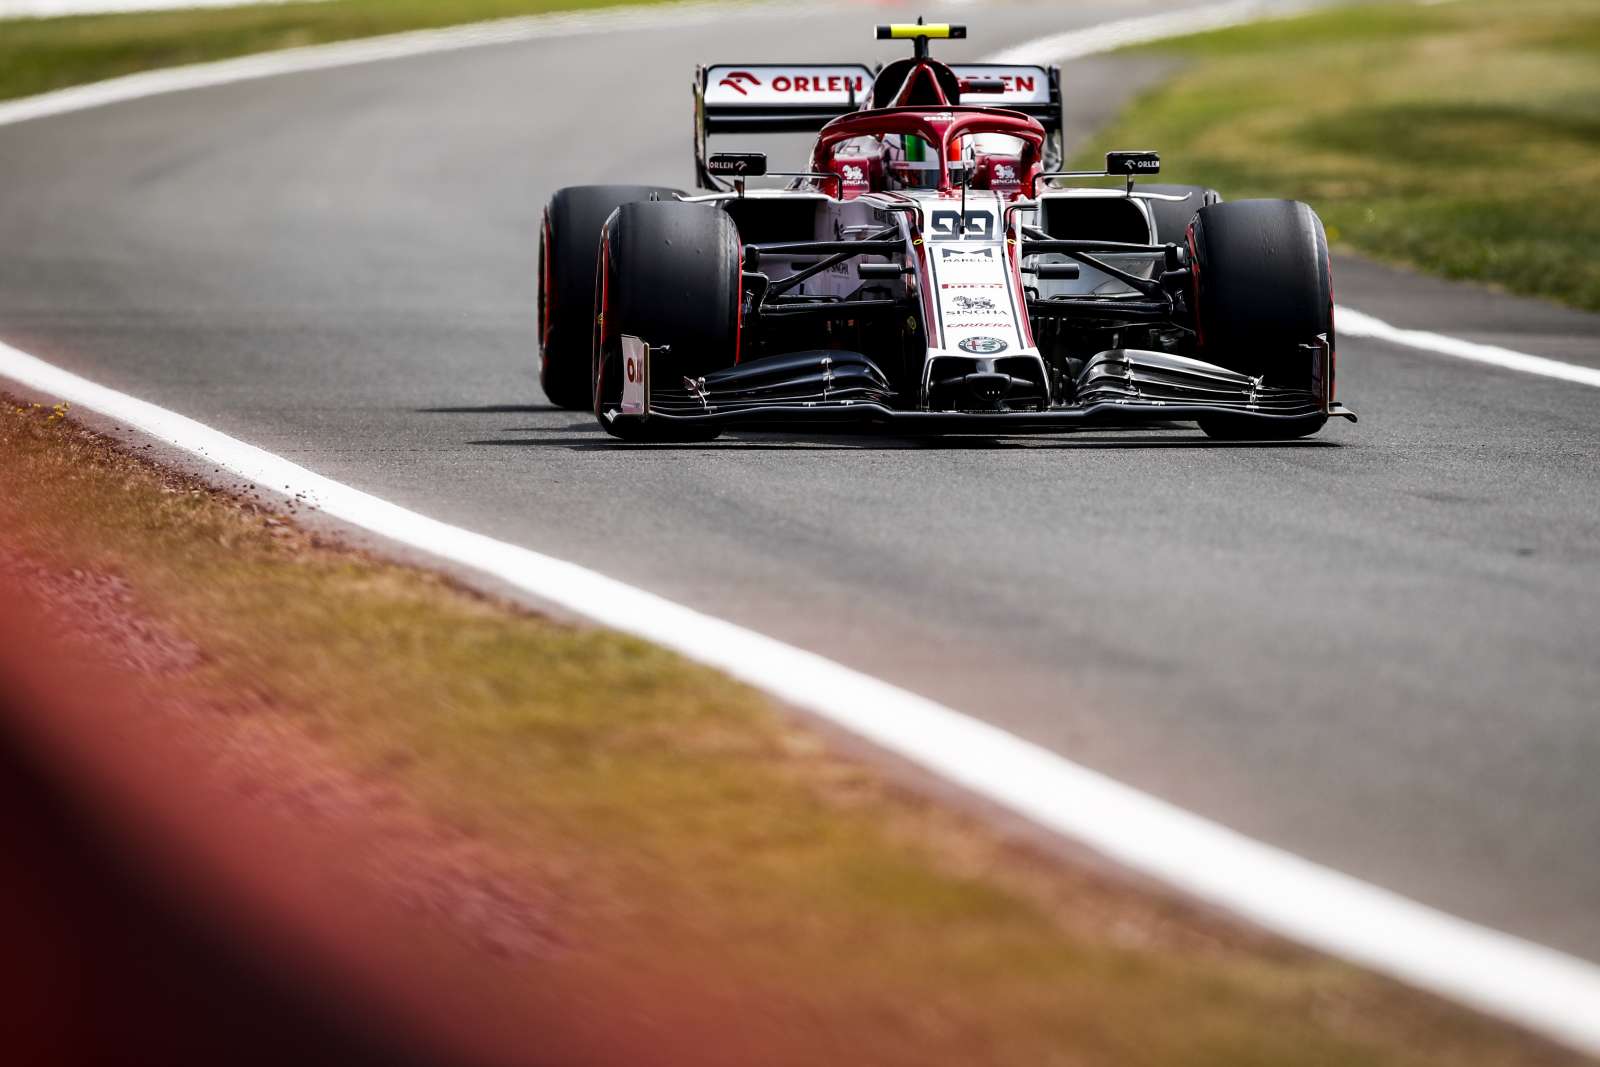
(973,303)
(1005,173)
(854,174)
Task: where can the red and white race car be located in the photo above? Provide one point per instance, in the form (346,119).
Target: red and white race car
(932,270)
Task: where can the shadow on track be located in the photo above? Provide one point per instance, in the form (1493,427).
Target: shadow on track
(493,409)
(857,443)
(591,438)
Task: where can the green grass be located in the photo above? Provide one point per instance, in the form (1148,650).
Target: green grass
(1460,138)
(37,55)
(699,832)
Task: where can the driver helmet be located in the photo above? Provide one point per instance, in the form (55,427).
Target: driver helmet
(912,163)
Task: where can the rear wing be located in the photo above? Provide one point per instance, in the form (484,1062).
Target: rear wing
(804,97)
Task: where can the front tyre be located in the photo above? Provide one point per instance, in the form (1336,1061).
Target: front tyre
(1172,217)
(1263,291)
(569,249)
(670,275)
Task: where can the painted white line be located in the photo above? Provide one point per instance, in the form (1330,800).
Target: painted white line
(1108,36)
(1053,49)
(377,49)
(1352,323)
(1075,44)
(1545,990)
(1056,48)
(50,9)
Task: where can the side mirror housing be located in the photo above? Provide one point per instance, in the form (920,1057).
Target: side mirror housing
(738,164)
(1133,164)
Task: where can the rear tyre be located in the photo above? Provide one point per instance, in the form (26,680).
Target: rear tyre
(569,249)
(1262,290)
(671,276)
(1172,218)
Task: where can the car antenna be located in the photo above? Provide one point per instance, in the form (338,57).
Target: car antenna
(919,41)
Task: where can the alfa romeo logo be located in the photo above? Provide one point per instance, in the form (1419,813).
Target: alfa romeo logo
(981,346)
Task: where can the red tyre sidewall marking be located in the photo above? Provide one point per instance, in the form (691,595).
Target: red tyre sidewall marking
(604,325)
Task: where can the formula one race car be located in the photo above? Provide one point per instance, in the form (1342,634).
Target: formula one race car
(928,273)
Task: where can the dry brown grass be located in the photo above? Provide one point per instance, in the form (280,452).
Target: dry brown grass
(597,806)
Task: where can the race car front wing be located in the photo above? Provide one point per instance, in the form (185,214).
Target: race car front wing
(834,389)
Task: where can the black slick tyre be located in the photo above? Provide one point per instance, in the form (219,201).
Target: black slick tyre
(671,276)
(569,249)
(1263,290)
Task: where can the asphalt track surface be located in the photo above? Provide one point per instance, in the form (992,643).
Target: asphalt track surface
(1379,648)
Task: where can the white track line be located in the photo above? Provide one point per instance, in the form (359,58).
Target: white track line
(1076,44)
(1053,49)
(1108,36)
(1547,991)
(52,9)
(378,49)
(1353,323)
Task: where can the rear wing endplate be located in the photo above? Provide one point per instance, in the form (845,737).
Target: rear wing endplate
(804,97)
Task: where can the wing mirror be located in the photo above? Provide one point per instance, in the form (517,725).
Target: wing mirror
(738,164)
(1133,163)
